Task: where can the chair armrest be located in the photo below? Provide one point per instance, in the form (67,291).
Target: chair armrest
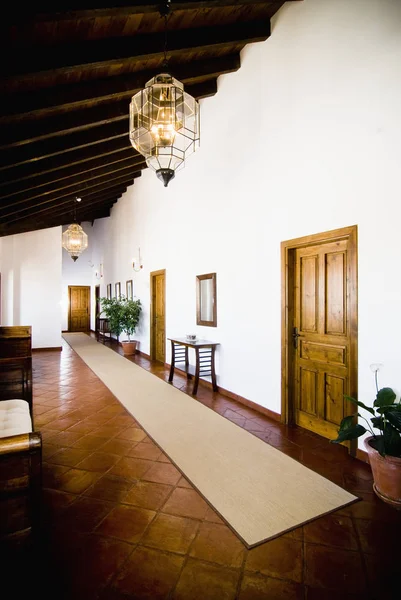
(25,442)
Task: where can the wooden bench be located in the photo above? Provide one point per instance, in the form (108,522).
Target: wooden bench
(16,363)
(20,445)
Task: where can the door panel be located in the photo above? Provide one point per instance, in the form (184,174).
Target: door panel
(158,320)
(79,308)
(159,315)
(321,314)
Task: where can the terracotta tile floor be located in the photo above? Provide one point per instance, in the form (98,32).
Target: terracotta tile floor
(121,522)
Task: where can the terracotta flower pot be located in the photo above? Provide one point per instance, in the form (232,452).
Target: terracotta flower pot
(129,348)
(386,475)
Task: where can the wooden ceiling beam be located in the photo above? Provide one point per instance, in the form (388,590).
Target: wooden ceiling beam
(45,102)
(37,151)
(67,58)
(38,224)
(45,11)
(134,163)
(38,179)
(66,208)
(17,135)
(45,213)
(15,212)
(75,158)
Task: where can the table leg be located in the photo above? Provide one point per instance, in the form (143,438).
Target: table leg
(214,383)
(170,377)
(196,381)
(189,376)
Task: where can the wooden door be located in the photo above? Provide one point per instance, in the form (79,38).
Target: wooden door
(158,320)
(97,308)
(321,330)
(79,308)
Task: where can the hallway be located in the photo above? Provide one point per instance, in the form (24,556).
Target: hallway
(121,522)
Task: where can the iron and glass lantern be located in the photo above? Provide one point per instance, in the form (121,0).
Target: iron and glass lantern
(74,239)
(164,125)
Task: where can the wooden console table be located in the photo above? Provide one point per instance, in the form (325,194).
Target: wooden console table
(104,330)
(204,363)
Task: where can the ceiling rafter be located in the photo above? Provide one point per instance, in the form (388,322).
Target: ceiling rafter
(44,103)
(67,82)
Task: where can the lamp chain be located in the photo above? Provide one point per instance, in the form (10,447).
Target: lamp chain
(164,12)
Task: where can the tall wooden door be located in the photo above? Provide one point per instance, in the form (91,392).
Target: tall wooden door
(97,308)
(79,308)
(322,329)
(158,320)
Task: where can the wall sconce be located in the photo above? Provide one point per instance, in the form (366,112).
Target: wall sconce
(137,262)
(99,273)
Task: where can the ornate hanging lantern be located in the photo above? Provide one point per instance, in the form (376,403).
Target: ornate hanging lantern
(75,240)
(164,121)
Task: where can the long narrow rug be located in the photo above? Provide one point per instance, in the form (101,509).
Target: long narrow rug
(258,490)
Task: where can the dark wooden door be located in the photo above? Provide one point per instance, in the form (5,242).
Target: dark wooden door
(79,308)
(97,308)
(158,333)
(322,330)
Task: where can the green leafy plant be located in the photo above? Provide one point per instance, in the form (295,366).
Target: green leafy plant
(122,313)
(131,313)
(386,419)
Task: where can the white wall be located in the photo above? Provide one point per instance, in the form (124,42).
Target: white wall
(31,284)
(304,138)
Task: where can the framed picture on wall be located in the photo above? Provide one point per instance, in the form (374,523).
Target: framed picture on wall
(129,292)
(118,290)
(109,291)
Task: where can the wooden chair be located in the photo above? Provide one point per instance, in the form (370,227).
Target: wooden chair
(16,363)
(20,489)
(21,450)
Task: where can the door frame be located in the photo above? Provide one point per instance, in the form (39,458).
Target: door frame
(153,276)
(287,311)
(70,287)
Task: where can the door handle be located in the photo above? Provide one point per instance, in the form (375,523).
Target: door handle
(295,336)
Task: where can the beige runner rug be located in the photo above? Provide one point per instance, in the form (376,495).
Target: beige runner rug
(259,491)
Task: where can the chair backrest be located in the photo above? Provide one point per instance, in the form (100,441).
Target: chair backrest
(15,330)
(15,341)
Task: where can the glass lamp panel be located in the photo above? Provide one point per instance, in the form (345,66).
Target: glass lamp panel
(75,240)
(164,123)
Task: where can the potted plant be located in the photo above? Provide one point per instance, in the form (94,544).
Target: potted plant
(130,315)
(384,446)
(123,314)
(112,309)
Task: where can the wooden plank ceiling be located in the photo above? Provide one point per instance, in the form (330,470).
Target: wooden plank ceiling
(68,72)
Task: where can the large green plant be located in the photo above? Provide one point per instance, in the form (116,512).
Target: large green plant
(386,419)
(131,313)
(122,313)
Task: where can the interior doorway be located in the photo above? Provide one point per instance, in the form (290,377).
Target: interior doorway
(158,316)
(319,330)
(78,308)
(97,309)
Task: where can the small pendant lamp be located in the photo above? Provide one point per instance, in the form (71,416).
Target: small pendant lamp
(75,240)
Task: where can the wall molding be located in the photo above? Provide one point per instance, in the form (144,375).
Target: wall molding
(52,348)
(362,455)
(244,401)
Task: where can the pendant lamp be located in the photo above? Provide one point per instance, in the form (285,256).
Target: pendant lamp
(164,123)
(75,240)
